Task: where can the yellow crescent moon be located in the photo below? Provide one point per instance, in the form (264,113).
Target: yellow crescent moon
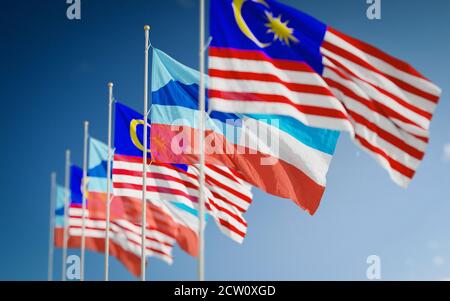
(134,138)
(237,9)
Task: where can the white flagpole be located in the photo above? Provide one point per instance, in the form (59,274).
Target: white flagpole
(51,238)
(108,181)
(84,191)
(66,211)
(201,97)
(144,156)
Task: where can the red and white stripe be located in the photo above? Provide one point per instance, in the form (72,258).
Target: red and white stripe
(384,103)
(228,196)
(249,81)
(124,233)
(389,103)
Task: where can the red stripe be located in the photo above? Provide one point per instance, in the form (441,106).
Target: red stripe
(235,216)
(383,107)
(424,139)
(257,55)
(146,236)
(115,231)
(153,175)
(414,90)
(407,172)
(155,189)
(310,110)
(131,159)
(215,183)
(159,221)
(370,103)
(224,173)
(266,77)
(223,199)
(405,86)
(401,65)
(231,227)
(174,192)
(399,100)
(374,127)
(413,152)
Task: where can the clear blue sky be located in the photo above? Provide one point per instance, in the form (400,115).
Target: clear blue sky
(53,75)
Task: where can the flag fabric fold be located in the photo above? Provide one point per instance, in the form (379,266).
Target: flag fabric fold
(268,58)
(277,154)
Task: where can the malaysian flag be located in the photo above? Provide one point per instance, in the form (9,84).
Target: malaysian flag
(167,219)
(228,196)
(277,154)
(125,236)
(268,58)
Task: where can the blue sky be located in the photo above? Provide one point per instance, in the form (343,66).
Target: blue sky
(53,76)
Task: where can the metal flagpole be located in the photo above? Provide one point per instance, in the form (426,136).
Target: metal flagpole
(201,97)
(108,181)
(66,211)
(144,156)
(51,238)
(84,191)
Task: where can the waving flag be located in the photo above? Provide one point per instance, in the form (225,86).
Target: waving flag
(268,58)
(97,169)
(275,153)
(227,196)
(59,217)
(125,243)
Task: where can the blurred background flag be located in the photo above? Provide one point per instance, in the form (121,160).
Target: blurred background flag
(59,217)
(125,242)
(277,154)
(228,197)
(97,163)
(268,58)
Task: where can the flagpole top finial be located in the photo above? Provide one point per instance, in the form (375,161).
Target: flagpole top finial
(110,85)
(147,27)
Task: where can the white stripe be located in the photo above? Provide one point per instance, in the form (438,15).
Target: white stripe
(265,67)
(180,216)
(312,162)
(175,185)
(384,66)
(117,234)
(232,197)
(382,121)
(155,183)
(380,81)
(261,107)
(373,138)
(397,177)
(412,129)
(136,193)
(129,226)
(77,212)
(274,88)
(137,180)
